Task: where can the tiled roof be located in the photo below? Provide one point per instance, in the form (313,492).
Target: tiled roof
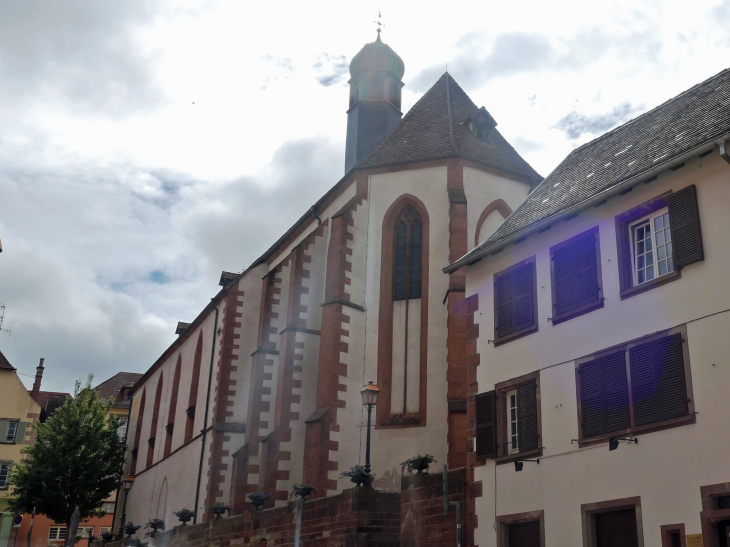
(436,127)
(689,120)
(4,363)
(49,400)
(111,387)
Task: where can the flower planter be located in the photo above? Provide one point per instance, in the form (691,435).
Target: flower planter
(361,478)
(420,466)
(303,491)
(218,510)
(185,519)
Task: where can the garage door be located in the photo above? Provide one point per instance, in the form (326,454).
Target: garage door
(616,529)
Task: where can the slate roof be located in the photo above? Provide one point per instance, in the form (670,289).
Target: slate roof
(436,127)
(689,120)
(4,363)
(110,388)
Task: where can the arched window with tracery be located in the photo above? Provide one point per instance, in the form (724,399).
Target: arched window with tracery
(403,314)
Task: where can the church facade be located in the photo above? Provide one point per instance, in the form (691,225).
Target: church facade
(261,390)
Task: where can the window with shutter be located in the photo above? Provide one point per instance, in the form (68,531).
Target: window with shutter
(524,534)
(684,222)
(518,417)
(527,417)
(485,425)
(616,529)
(521,529)
(657,370)
(4,474)
(576,276)
(515,303)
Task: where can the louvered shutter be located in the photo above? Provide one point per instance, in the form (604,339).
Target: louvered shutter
(615,392)
(575,275)
(524,534)
(523,298)
(4,424)
(684,225)
(503,300)
(486,425)
(616,529)
(20,433)
(644,384)
(527,416)
(591,398)
(564,270)
(670,371)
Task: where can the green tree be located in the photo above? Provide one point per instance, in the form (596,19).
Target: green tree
(76,460)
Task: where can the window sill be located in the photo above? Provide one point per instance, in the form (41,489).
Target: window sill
(557,319)
(638,289)
(509,458)
(649,428)
(514,336)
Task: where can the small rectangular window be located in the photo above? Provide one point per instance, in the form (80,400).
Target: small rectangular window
(12,430)
(515,302)
(4,473)
(651,247)
(57,533)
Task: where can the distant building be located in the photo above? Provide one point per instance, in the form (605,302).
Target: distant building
(18,411)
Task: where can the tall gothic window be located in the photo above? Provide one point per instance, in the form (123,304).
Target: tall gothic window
(408,251)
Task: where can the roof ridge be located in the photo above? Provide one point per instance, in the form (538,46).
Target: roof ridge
(644,114)
(448,109)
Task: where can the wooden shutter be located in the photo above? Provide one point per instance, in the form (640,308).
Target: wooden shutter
(514,301)
(615,392)
(643,384)
(670,371)
(527,417)
(486,425)
(524,534)
(4,424)
(591,398)
(20,433)
(616,529)
(604,395)
(684,225)
(575,275)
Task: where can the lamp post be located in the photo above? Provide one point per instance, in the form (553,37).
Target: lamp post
(369,399)
(127,486)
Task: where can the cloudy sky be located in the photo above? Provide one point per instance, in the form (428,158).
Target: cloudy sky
(146,146)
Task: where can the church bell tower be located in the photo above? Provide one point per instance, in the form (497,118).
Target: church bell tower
(375,93)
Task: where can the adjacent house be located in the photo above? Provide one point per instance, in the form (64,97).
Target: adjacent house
(598,341)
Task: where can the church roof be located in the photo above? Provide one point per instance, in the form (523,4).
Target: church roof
(436,127)
(377,56)
(634,151)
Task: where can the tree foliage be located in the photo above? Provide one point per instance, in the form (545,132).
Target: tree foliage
(76,460)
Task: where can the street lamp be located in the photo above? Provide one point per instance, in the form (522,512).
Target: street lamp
(127,486)
(369,399)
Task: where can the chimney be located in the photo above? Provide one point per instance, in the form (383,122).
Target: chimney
(38,377)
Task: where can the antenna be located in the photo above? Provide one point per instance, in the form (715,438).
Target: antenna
(2,317)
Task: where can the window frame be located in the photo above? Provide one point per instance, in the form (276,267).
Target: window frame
(624,247)
(512,436)
(501,390)
(9,464)
(634,430)
(57,537)
(503,522)
(649,219)
(536,324)
(668,529)
(587,308)
(710,514)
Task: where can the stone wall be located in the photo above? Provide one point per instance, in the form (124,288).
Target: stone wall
(355,518)
(423,523)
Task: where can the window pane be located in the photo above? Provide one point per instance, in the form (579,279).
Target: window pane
(665,216)
(660,237)
(670,264)
(640,248)
(640,276)
(658,223)
(649,259)
(662,267)
(648,245)
(660,253)
(649,273)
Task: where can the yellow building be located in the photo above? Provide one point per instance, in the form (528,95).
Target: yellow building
(18,410)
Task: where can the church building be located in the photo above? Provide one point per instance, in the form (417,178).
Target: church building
(261,390)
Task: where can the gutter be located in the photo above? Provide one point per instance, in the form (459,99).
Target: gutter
(568,213)
(204,431)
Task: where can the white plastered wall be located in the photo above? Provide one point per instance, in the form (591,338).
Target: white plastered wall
(666,468)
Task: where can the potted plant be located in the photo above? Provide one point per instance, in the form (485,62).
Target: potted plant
(184,515)
(130,529)
(258,498)
(418,463)
(302,490)
(155,525)
(107,536)
(359,475)
(218,508)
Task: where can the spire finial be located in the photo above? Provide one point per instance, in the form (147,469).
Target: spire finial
(379,25)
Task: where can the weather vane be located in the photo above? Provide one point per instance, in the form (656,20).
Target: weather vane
(379,23)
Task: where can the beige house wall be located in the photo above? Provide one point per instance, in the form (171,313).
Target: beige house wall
(666,468)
